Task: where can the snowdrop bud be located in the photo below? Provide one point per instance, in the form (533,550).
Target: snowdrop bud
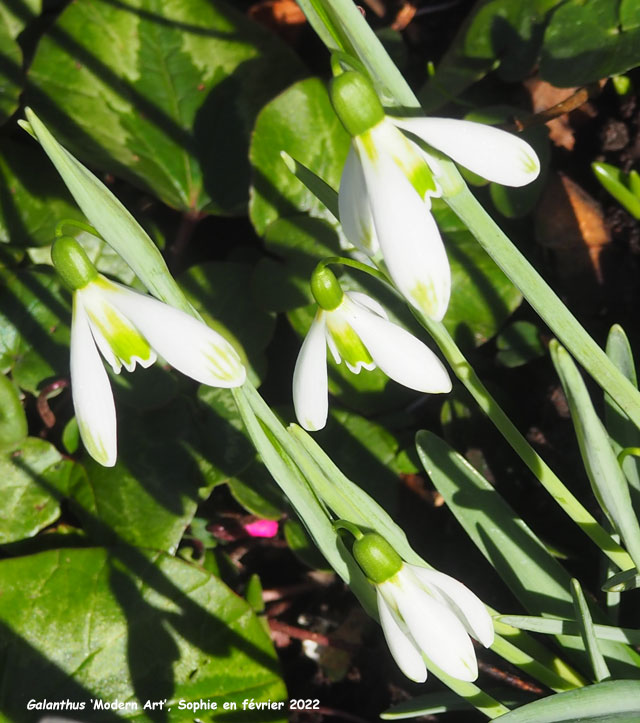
(355,102)
(326,289)
(378,560)
(72,263)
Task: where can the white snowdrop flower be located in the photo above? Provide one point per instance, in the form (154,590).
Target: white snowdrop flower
(127,328)
(424,613)
(388,181)
(357,331)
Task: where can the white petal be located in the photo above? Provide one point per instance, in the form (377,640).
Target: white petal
(468,607)
(401,646)
(490,152)
(436,630)
(409,238)
(91,391)
(368,302)
(398,353)
(310,382)
(186,343)
(353,207)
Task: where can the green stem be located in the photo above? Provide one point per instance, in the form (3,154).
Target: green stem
(344,261)
(546,303)
(549,480)
(78,224)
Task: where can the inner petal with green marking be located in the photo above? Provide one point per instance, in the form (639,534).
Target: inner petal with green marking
(348,344)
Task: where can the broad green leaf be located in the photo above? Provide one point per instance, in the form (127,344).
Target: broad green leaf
(34,328)
(134,627)
(164,470)
(607,479)
(13,420)
(16,15)
(162,93)
(302,122)
(32,480)
(535,577)
(497,33)
(621,429)
(616,701)
(10,72)
(606,44)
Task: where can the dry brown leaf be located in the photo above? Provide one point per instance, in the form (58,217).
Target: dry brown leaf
(544,96)
(282,16)
(572,223)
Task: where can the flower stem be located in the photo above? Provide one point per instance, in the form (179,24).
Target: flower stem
(549,480)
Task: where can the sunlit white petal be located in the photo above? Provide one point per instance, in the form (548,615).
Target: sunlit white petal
(186,343)
(398,353)
(468,607)
(402,648)
(310,381)
(408,236)
(490,152)
(354,208)
(435,628)
(91,391)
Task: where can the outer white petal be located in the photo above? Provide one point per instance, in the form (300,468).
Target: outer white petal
(409,238)
(354,208)
(91,392)
(490,152)
(468,607)
(186,343)
(310,381)
(401,646)
(435,628)
(398,353)
(368,302)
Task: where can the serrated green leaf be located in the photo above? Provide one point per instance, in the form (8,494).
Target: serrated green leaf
(302,122)
(17,15)
(164,470)
(32,480)
(10,72)
(13,420)
(162,94)
(33,198)
(127,626)
(607,43)
(518,344)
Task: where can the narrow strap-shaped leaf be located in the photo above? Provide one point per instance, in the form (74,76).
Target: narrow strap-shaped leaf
(621,429)
(555,626)
(599,702)
(625,580)
(587,633)
(606,477)
(535,577)
(613,180)
(111,219)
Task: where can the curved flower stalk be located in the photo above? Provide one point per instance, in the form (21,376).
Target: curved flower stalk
(388,181)
(423,612)
(357,331)
(129,328)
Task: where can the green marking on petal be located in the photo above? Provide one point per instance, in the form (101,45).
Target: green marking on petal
(349,345)
(92,443)
(126,342)
(425,297)
(530,163)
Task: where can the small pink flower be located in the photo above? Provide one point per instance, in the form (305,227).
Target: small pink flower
(262,528)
